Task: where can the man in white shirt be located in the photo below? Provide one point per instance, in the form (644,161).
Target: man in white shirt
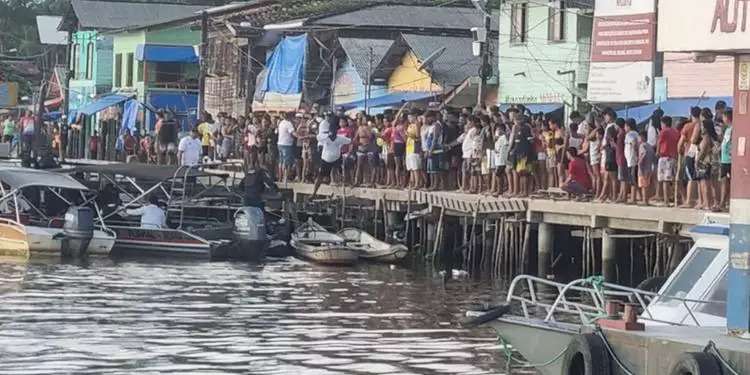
(286,145)
(152,216)
(330,155)
(189,151)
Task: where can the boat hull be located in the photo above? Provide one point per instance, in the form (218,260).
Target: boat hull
(326,254)
(393,255)
(46,240)
(372,249)
(247,249)
(279,249)
(537,341)
(160,242)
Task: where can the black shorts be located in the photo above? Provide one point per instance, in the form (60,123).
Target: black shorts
(205,151)
(726,171)
(326,167)
(399,150)
(500,170)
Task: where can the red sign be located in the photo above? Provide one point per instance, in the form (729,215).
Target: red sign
(624,38)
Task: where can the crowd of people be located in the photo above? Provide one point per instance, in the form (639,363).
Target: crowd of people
(683,161)
(513,153)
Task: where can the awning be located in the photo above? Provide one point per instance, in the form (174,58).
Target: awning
(19,178)
(672,107)
(536,108)
(166,53)
(103,103)
(389,100)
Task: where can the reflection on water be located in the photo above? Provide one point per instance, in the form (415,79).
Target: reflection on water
(282,317)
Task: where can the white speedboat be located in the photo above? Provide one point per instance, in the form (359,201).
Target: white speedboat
(47,212)
(313,242)
(545,320)
(370,248)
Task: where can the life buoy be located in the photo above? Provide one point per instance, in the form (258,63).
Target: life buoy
(587,355)
(697,363)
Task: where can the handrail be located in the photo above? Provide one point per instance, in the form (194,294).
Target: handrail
(598,295)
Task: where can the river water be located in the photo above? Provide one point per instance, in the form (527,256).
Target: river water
(281,317)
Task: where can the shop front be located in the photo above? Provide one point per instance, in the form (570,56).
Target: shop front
(709,29)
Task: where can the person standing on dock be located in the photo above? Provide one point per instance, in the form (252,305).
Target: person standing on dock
(331,144)
(189,151)
(666,168)
(286,145)
(688,145)
(726,159)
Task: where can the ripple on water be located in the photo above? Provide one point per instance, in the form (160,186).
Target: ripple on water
(282,317)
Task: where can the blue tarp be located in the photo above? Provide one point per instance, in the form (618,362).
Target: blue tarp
(129,114)
(388,100)
(102,103)
(166,53)
(183,105)
(536,108)
(672,107)
(286,66)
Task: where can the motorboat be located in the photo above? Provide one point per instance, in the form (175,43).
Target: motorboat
(541,318)
(313,242)
(47,212)
(370,248)
(200,221)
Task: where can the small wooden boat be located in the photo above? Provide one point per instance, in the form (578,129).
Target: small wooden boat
(313,242)
(371,248)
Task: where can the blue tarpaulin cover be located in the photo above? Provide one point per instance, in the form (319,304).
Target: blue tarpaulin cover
(103,103)
(392,99)
(286,66)
(536,108)
(672,107)
(166,53)
(129,114)
(184,105)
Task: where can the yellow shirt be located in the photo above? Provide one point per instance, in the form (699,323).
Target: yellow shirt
(205,129)
(411,138)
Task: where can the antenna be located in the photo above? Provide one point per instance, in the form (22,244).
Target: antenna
(431,58)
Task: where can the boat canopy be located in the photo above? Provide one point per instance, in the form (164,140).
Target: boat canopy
(147,172)
(19,178)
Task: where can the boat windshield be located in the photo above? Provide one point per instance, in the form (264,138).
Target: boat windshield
(688,276)
(718,296)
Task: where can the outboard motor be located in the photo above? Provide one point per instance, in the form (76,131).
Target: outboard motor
(78,231)
(250,238)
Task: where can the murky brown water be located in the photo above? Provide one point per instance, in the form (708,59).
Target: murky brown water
(281,317)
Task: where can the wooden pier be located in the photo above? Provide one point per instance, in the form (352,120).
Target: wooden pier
(600,238)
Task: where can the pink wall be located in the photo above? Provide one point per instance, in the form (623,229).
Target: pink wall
(686,78)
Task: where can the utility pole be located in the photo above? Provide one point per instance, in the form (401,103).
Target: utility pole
(68,76)
(203,65)
(250,84)
(369,79)
(486,70)
(334,68)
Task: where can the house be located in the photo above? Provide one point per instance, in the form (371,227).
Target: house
(91,48)
(335,64)
(160,67)
(544,53)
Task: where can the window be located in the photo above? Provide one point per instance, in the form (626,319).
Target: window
(718,298)
(90,61)
(74,56)
(688,275)
(518,22)
(141,67)
(129,70)
(556,26)
(168,72)
(118,70)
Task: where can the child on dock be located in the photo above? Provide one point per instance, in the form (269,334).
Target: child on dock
(646,163)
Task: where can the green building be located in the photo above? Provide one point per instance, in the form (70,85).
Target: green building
(544,53)
(160,66)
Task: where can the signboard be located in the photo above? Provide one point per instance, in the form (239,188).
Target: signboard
(8,94)
(712,25)
(622,51)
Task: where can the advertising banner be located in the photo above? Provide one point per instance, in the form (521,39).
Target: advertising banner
(622,51)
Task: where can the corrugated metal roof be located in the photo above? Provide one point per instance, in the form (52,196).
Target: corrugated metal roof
(411,16)
(358,51)
(454,65)
(118,15)
(48,34)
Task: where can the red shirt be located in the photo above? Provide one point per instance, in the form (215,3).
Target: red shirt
(668,139)
(578,172)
